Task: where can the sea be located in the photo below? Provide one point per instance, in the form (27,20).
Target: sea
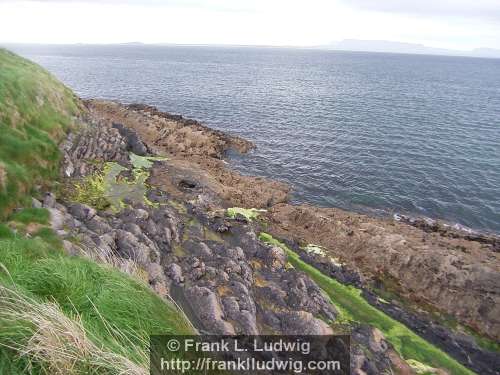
(376,133)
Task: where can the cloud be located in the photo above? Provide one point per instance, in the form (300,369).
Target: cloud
(484,9)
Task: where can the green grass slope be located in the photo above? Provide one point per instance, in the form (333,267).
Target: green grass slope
(59,314)
(35,112)
(103,299)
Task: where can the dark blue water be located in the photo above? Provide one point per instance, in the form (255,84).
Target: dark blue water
(380,132)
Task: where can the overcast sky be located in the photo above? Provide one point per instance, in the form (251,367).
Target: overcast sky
(457,24)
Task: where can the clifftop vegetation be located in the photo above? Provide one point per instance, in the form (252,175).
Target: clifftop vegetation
(35,113)
(59,314)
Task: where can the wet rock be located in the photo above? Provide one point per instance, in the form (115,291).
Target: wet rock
(134,143)
(187,184)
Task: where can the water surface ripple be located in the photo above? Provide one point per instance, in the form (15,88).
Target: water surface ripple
(378,132)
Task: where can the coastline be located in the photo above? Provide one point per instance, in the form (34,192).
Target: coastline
(419,275)
(205,171)
(148,194)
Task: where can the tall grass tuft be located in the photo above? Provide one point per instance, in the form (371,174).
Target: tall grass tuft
(81,298)
(58,344)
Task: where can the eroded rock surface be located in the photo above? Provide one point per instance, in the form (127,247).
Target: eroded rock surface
(194,153)
(456,276)
(226,281)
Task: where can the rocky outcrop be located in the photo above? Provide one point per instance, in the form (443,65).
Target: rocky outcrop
(195,153)
(225,280)
(372,354)
(459,345)
(456,276)
(168,133)
(86,150)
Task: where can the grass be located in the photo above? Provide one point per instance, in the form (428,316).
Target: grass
(32,215)
(355,308)
(6,232)
(35,112)
(97,299)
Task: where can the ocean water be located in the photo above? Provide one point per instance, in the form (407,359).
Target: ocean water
(379,133)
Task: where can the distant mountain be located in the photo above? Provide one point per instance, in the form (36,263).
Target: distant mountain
(486,52)
(411,48)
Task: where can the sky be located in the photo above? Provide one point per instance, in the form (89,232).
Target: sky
(453,24)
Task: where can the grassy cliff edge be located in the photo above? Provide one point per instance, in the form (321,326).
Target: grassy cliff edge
(59,314)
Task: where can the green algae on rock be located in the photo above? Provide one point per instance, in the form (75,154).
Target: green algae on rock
(248,213)
(108,189)
(145,162)
(355,308)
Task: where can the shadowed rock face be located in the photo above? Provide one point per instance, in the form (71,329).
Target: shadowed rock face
(454,275)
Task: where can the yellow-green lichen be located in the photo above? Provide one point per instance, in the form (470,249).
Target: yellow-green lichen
(144,162)
(248,213)
(109,189)
(420,368)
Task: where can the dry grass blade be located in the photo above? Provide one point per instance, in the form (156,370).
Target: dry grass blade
(56,342)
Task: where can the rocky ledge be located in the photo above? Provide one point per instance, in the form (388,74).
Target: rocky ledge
(168,190)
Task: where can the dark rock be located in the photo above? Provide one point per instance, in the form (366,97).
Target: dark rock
(130,247)
(463,348)
(81,211)
(134,143)
(187,184)
(98,225)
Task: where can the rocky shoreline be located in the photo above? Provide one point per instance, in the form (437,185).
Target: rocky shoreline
(173,233)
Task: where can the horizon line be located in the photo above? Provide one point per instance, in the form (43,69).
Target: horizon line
(323,47)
